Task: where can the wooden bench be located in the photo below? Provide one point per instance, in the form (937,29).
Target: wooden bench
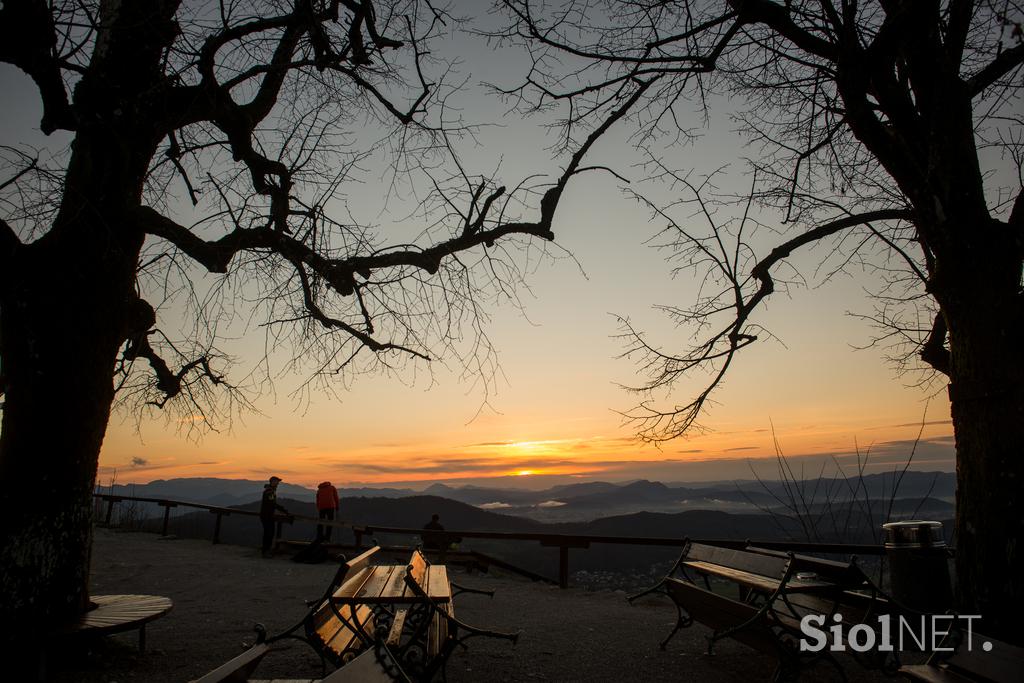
(765,630)
(1002,663)
(237,668)
(340,632)
(376,622)
(757,577)
(407,608)
(774,591)
(117,613)
(424,630)
(327,629)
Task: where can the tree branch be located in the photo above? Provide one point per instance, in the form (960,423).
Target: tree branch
(934,351)
(720,348)
(170,383)
(339,273)
(760,271)
(1007,61)
(28,41)
(317,313)
(778,18)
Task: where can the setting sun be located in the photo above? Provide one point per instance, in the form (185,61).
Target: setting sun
(524,473)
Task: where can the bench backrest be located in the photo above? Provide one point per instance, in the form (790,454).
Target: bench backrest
(417,569)
(755,563)
(1004,663)
(719,612)
(237,669)
(841,573)
(359,562)
(349,569)
(332,637)
(329,634)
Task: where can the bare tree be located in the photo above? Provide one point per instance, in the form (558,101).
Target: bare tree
(888,134)
(212,145)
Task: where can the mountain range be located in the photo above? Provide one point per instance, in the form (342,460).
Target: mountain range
(930,492)
(742,510)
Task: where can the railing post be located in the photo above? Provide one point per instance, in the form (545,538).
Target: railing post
(563,566)
(564,543)
(110,511)
(167,519)
(216,525)
(358,531)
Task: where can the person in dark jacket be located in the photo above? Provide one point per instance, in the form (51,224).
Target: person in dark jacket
(326,506)
(433,534)
(268,507)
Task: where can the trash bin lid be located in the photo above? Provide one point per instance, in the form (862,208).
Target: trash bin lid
(914,533)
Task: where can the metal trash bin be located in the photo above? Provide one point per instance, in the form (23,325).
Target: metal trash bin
(918,565)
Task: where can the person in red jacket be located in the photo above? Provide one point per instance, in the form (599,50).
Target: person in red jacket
(326,506)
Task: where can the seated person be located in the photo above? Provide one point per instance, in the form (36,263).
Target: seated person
(433,534)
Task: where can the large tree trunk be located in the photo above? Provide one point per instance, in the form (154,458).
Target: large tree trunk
(67,302)
(58,361)
(60,330)
(989,431)
(983,310)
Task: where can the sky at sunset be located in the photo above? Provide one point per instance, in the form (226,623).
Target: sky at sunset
(552,415)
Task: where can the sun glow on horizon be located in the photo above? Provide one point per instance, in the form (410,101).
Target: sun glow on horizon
(530,462)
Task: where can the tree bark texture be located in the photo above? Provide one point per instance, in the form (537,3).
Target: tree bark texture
(924,134)
(67,304)
(986,392)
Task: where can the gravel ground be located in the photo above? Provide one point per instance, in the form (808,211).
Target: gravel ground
(220,592)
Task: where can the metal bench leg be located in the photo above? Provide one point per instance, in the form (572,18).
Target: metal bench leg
(463,589)
(711,644)
(656,588)
(683,620)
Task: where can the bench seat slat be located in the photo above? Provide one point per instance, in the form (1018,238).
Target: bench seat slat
(376,584)
(238,668)
(439,630)
(346,638)
(395,634)
(396,583)
(931,674)
(756,581)
(353,583)
(334,635)
(754,563)
(361,561)
(438,586)
(418,567)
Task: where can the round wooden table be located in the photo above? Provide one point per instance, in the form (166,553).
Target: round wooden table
(116,613)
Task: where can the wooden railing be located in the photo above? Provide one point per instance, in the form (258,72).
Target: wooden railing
(561,541)
(221,512)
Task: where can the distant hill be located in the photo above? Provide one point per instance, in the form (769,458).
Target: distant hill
(207,490)
(414,511)
(909,484)
(589,500)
